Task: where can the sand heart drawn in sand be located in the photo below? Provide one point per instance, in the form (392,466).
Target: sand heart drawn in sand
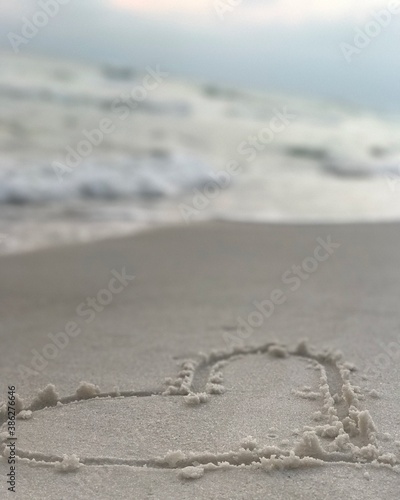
(343,430)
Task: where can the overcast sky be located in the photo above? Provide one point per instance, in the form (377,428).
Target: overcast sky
(286,45)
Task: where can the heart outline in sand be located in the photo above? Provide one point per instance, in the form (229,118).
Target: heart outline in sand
(345,431)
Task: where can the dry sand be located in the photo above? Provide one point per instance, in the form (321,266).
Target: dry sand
(158,395)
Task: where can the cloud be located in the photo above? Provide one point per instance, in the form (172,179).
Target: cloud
(14,10)
(291,45)
(160,6)
(259,11)
(296,12)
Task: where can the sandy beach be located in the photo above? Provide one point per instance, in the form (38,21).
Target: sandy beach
(199,250)
(173,364)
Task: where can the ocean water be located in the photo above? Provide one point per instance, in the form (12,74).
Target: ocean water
(177,152)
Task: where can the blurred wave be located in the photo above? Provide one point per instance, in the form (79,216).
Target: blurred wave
(330,163)
(165,176)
